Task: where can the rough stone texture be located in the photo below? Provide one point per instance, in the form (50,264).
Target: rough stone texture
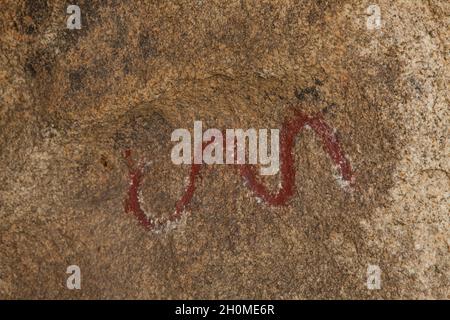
(71,102)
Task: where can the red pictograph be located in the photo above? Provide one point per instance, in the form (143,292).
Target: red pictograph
(290,129)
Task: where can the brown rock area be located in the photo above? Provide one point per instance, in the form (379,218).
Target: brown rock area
(72,102)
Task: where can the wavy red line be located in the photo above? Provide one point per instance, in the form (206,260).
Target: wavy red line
(290,129)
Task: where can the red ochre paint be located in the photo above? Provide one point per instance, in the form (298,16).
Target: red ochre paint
(290,129)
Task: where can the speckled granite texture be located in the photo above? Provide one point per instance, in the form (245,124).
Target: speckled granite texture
(72,101)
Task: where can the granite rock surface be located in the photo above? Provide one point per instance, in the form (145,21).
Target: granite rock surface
(73,101)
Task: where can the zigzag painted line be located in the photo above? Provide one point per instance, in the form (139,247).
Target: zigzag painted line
(290,129)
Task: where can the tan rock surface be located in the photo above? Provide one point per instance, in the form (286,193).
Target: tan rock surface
(72,101)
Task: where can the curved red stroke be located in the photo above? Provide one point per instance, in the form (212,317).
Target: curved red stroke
(290,129)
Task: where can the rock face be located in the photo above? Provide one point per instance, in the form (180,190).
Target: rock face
(73,103)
